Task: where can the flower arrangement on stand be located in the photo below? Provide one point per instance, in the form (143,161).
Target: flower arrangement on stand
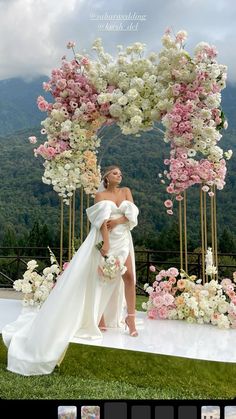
(190,97)
(178,296)
(71,126)
(36,287)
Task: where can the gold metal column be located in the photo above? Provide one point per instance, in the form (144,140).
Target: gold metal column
(185,233)
(73,225)
(70,224)
(87,225)
(202,235)
(61,234)
(205,220)
(81,214)
(215,228)
(180,235)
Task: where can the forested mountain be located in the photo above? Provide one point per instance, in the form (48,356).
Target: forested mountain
(26,201)
(18,109)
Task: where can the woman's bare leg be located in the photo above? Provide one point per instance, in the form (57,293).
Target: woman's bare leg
(130,295)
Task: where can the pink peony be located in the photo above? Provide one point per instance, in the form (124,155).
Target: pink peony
(152,314)
(65,265)
(163,312)
(168,203)
(168,299)
(172,272)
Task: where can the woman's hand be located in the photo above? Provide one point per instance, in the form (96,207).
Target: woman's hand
(111,224)
(104,249)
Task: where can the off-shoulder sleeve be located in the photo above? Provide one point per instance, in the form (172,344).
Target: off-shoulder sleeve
(98,213)
(131,212)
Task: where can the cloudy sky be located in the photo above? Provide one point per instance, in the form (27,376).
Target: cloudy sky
(34,33)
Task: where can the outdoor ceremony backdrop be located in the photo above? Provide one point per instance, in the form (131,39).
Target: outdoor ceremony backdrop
(29,211)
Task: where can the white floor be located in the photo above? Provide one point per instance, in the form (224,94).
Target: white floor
(166,337)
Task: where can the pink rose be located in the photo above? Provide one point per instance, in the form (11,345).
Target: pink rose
(152,314)
(173,272)
(33,139)
(65,265)
(168,203)
(85,61)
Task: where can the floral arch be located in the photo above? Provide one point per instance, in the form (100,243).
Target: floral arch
(135,92)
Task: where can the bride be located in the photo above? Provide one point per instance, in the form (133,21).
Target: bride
(81,305)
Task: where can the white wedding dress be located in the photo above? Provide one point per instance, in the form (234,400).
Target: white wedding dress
(38,338)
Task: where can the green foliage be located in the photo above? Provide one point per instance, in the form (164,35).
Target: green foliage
(18,108)
(226,241)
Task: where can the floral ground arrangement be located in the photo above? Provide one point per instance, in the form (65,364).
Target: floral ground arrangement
(175,295)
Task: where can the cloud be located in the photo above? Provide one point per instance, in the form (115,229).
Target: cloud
(35,32)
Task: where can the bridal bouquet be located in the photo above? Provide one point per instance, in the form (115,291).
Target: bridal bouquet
(110,266)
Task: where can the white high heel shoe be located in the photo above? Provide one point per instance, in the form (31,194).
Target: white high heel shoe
(134,333)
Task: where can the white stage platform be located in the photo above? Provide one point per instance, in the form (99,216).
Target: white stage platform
(165,337)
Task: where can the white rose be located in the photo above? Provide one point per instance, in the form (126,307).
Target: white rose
(123,100)
(32,264)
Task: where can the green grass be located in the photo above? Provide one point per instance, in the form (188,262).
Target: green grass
(90,372)
(139,300)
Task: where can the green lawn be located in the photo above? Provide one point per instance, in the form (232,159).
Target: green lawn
(89,372)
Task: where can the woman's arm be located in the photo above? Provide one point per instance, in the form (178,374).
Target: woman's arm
(105,236)
(123,219)
(104,229)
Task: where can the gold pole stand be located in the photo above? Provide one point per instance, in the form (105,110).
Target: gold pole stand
(87,225)
(70,224)
(185,233)
(73,225)
(180,235)
(202,236)
(81,214)
(61,233)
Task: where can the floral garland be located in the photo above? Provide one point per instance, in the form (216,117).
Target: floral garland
(186,298)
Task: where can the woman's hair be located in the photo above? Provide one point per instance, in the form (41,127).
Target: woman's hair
(106,172)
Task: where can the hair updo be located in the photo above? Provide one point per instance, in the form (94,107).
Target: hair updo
(106,172)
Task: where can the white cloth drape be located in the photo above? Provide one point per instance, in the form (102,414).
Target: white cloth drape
(38,338)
